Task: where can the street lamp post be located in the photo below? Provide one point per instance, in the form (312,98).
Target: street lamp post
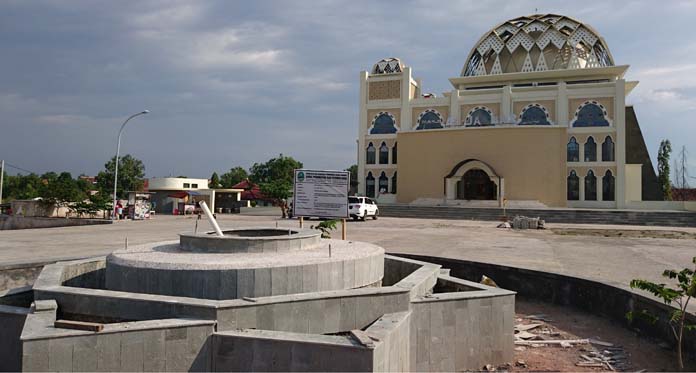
(118,150)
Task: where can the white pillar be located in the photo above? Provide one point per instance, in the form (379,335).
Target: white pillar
(405,124)
(506,105)
(562,106)
(455,109)
(362,132)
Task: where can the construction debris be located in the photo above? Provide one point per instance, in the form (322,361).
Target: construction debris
(79,325)
(539,317)
(559,342)
(523,222)
(525,327)
(534,331)
(612,358)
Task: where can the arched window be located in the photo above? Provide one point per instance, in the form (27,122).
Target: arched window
(534,114)
(370,185)
(608,186)
(383,154)
(590,114)
(590,150)
(429,119)
(479,116)
(370,157)
(573,150)
(573,186)
(394,154)
(590,186)
(383,183)
(383,124)
(393,186)
(608,150)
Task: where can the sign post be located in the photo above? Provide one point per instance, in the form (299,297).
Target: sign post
(322,194)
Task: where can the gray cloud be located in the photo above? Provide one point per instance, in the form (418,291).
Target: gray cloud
(231,83)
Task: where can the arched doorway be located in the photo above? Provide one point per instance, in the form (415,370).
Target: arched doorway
(474,180)
(476,185)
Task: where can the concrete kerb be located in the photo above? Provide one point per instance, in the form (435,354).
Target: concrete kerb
(294,239)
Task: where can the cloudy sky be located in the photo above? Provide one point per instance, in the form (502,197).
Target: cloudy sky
(236,82)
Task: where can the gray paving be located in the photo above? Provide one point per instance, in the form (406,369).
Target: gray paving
(607,259)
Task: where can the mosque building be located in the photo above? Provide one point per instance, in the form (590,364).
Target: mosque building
(537,117)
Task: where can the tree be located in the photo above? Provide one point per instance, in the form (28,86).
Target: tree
(663,169)
(681,294)
(325,227)
(214,181)
(233,177)
(275,179)
(130,175)
(353,178)
(21,187)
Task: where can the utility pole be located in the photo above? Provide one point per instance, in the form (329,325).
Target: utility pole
(684,172)
(2,176)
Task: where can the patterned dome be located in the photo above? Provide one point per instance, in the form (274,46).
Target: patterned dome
(388,66)
(538,42)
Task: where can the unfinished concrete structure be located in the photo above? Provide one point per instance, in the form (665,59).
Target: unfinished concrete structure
(263,300)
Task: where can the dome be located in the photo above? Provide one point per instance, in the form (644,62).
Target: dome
(538,42)
(388,66)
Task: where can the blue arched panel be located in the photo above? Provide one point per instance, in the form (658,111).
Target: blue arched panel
(383,124)
(534,116)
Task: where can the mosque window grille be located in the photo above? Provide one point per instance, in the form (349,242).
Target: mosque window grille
(534,114)
(383,123)
(590,149)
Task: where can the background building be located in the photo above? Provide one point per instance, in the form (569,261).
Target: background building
(537,117)
(177,194)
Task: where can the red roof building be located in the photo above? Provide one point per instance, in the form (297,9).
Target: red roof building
(251,192)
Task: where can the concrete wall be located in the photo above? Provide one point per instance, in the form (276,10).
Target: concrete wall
(158,345)
(12,321)
(18,275)
(265,351)
(392,346)
(462,330)
(324,312)
(531,172)
(22,222)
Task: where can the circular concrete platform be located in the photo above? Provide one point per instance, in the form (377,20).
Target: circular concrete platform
(247,263)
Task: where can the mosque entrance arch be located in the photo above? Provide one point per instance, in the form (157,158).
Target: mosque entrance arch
(474,180)
(475,184)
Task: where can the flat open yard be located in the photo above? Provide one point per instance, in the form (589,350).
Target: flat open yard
(593,252)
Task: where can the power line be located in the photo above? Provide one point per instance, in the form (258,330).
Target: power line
(19,168)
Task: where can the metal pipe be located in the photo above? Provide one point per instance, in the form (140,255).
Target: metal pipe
(211,219)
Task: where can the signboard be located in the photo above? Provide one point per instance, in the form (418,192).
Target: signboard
(321,193)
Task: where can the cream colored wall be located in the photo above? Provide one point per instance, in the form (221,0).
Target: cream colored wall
(607,102)
(494,107)
(372,113)
(531,161)
(550,106)
(634,187)
(384,90)
(443,110)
